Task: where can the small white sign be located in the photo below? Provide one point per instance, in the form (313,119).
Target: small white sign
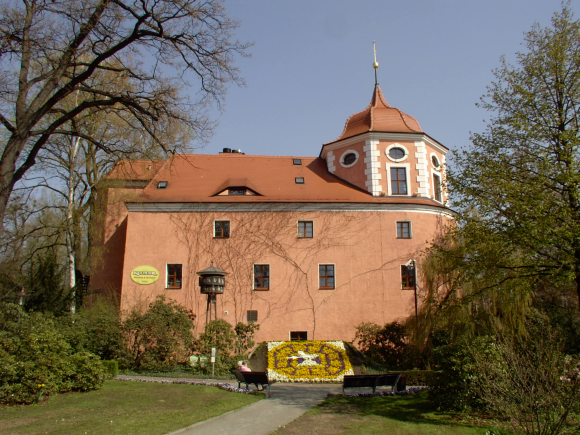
(213,354)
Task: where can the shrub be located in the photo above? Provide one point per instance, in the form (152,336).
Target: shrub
(530,381)
(86,371)
(35,359)
(385,347)
(97,329)
(231,343)
(161,337)
(111,368)
(455,381)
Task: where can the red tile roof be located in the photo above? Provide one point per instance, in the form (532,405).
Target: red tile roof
(143,170)
(379,116)
(198,178)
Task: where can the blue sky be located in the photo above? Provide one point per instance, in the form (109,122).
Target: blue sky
(311,67)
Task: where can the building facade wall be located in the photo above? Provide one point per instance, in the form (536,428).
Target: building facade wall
(362,245)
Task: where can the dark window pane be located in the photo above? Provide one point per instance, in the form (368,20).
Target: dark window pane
(396,153)
(330,270)
(349,159)
(330,281)
(266,283)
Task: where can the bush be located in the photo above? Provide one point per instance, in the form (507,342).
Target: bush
(231,343)
(530,381)
(35,359)
(161,337)
(111,368)
(385,347)
(455,381)
(97,329)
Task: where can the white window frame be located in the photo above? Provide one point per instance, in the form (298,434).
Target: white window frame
(341,160)
(298,229)
(397,145)
(222,220)
(410,229)
(167,276)
(436,168)
(318,276)
(407,167)
(438,174)
(269,277)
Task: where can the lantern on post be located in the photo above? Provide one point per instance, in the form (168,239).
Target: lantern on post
(211,283)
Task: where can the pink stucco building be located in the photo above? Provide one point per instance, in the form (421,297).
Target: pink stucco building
(313,246)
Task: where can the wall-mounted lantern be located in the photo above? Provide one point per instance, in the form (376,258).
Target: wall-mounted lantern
(211,283)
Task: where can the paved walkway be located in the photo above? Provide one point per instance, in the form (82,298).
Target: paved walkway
(288,402)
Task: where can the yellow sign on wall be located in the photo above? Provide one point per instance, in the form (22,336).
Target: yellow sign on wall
(144,275)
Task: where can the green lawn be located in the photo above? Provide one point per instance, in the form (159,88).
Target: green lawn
(393,415)
(121,407)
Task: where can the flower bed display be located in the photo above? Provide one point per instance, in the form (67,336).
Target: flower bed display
(308,361)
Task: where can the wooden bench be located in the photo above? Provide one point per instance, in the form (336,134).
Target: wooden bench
(252,378)
(372,381)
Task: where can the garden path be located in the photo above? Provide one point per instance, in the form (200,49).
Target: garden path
(288,402)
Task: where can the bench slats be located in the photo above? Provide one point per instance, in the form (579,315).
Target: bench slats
(372,381)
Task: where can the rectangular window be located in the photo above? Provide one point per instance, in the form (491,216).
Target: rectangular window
(261,277)
(298,335)
(408,277)
(403,230)
(252,316)
(174,276)
(221,229)
(237,191)
(326,276)
(297,161)
(305,229)
(398,181)
(437,187)
(299,180)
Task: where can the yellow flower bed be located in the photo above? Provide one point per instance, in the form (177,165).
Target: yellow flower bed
(308,361)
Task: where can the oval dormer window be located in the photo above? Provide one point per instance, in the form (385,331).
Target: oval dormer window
(349,159)
(435,162)
(396,153)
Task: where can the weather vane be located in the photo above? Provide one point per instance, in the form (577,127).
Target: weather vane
(375,64)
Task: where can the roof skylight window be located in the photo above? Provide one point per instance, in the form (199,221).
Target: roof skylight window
(297,161)
(299,180)
(162,184)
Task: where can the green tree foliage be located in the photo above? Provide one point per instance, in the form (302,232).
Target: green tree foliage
(518,188)
(161,337)
(45,287)
(35,359)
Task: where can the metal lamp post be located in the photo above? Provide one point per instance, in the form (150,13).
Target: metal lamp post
(414,265)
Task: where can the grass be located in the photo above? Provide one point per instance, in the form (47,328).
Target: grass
(395,415)
(122,408)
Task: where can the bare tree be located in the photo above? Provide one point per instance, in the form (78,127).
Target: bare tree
(52,50)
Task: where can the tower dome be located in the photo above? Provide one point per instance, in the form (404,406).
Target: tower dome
(379,116)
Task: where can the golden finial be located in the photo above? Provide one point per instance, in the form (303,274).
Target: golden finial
(375,64)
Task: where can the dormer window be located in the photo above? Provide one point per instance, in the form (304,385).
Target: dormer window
(435,161)
(297,161)
(348,158)
(162,184)
(396,153)
(237,191)
(299,180)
